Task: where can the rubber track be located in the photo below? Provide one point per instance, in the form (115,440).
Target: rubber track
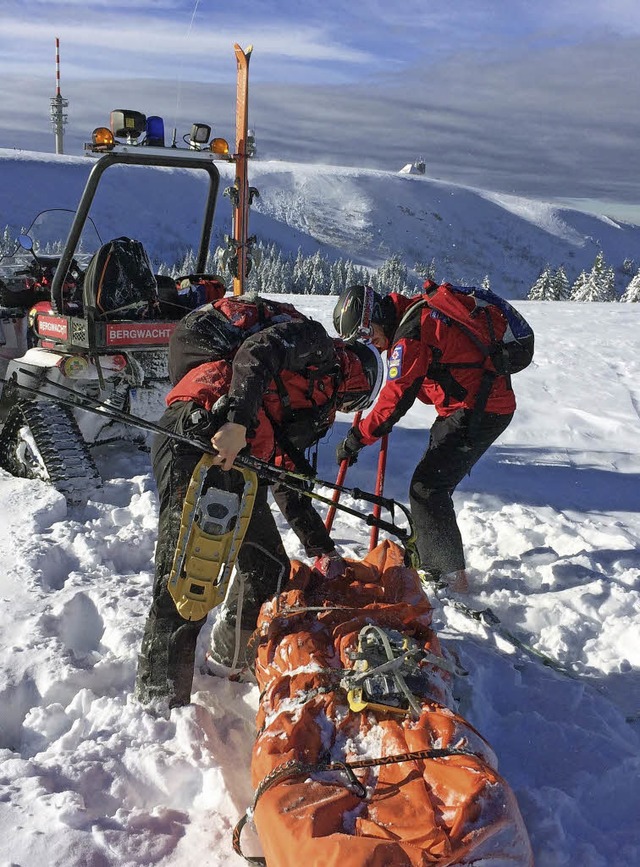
(65,454)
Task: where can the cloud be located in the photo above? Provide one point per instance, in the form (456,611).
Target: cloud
(516,104)
(131,45)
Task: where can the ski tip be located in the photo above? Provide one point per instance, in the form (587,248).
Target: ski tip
(240,50)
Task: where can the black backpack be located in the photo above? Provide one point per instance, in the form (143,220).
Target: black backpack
(216,330)
(119,282)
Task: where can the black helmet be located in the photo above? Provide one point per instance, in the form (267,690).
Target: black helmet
(357,309)
(363,373)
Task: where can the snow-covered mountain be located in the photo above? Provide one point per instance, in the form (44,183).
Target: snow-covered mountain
(359,214)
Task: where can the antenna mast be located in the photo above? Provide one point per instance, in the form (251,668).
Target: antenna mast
(58,106)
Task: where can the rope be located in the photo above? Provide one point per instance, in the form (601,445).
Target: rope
(294,768)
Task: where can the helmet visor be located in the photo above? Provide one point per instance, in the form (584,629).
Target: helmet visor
(364,380)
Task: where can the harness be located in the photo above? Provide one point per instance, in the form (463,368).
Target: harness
(308,424)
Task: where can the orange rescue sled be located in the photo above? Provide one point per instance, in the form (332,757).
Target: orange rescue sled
(360,757)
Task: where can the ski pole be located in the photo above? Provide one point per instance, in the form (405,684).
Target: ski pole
(267,471)
(276,474)
(342,474)
(382,465)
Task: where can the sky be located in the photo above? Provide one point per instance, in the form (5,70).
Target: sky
(550,519)
(525,98)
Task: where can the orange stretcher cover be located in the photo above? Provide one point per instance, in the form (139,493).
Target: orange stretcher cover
(451,810)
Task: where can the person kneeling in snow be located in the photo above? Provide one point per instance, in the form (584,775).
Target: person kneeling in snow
(276,392)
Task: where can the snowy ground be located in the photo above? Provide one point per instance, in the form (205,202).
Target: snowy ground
(551,522)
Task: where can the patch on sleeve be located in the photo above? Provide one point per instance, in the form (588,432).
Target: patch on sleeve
(394,363)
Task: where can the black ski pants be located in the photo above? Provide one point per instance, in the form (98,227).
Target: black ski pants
(456,442)
(167,655)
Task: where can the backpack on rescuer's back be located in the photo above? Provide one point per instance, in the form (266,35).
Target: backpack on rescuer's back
(216,330)
(501,333)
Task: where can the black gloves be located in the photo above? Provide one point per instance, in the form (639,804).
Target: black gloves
(201,425)
(348,449)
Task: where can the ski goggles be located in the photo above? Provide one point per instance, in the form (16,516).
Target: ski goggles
(356,318)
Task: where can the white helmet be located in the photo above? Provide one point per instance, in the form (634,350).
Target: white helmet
(363,379)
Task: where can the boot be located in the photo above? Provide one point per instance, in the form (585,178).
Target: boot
(230,655)
(457,582)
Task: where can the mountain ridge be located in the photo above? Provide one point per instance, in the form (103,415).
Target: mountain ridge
(366,215)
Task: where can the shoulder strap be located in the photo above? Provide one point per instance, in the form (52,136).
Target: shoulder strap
(415,307)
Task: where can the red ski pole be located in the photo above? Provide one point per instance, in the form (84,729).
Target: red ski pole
(342,472)
(382,465)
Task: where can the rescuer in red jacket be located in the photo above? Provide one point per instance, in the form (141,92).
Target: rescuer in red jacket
(275,393)
(435,362)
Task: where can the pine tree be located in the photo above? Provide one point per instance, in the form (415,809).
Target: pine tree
(560,290)
(298,273)
(632,292)
(7,243)
(578,286)
(319,275)
(608,278)
(188,264)
(597,285)
(392,276)
(628,266)
(542,289)
(426,272)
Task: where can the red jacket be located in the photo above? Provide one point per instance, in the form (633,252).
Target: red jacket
(291,363)
(419,342)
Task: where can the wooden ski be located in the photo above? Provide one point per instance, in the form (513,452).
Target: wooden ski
(241,199)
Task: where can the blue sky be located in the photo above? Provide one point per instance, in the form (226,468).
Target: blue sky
(531,98)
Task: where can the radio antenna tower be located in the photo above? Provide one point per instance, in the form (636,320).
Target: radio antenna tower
(58,106)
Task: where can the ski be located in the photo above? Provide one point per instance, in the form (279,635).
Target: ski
(490,620)
(241,195)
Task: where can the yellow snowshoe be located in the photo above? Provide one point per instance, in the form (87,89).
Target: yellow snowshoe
(212,529)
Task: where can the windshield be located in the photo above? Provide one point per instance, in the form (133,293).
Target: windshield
(48,232)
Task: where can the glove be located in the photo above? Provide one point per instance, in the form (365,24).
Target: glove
(348,449)
(202,425)
(329,566)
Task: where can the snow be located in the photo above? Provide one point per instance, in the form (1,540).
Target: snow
(364,215)
(550,518)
